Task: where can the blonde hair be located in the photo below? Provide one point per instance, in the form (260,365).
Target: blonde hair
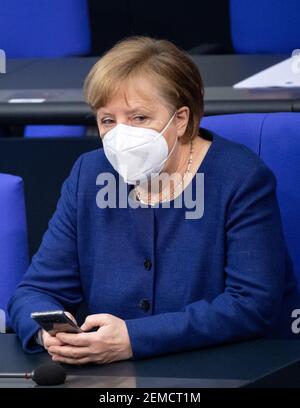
(177,78)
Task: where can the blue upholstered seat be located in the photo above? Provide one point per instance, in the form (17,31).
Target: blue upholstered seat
(46,29)
(275,137)
(265,26)
(13,236)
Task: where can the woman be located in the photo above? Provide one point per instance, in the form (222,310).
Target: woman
(155,279)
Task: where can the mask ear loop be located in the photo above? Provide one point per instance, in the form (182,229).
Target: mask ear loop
(167,125)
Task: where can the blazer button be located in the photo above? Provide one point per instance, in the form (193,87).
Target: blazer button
(144,305)
(147,264)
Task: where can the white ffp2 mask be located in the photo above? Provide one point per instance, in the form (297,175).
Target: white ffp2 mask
(136,153)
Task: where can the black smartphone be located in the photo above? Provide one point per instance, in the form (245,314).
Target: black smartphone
(55,322)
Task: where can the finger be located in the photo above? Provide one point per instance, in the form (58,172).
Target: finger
(69,351)
(51,341)
(96,320)
(52,344)
(73,361)
(75,339)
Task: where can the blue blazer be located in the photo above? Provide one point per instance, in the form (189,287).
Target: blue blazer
(178,283)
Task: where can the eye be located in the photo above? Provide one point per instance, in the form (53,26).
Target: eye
(107,121)
(140,118)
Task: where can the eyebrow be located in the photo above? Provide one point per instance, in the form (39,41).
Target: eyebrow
(129,111)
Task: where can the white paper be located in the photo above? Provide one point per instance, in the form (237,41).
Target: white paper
(26,100)
(285,74)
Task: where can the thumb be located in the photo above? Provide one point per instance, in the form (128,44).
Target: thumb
(92,321)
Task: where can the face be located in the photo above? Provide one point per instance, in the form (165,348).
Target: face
(139,104)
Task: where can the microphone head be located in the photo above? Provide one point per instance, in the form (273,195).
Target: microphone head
(49,374)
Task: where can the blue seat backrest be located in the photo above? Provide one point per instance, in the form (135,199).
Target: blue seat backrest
(243,128)
(42,28)
(13,236)
(265,26)
(280,150)
(46,28)
(275,137)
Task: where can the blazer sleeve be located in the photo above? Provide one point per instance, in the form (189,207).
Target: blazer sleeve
(52,280)
(254,271)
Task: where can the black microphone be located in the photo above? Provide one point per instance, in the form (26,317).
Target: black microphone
(46,374)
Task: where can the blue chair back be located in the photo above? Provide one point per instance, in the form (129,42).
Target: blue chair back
(240,128)
(35,28)
(265,26)
(38,29)
(275,137)
(40,131)
(14,258)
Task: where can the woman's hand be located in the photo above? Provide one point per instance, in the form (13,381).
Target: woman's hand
(109,343)
(49,340)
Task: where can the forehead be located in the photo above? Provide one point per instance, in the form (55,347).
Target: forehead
(133,94)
